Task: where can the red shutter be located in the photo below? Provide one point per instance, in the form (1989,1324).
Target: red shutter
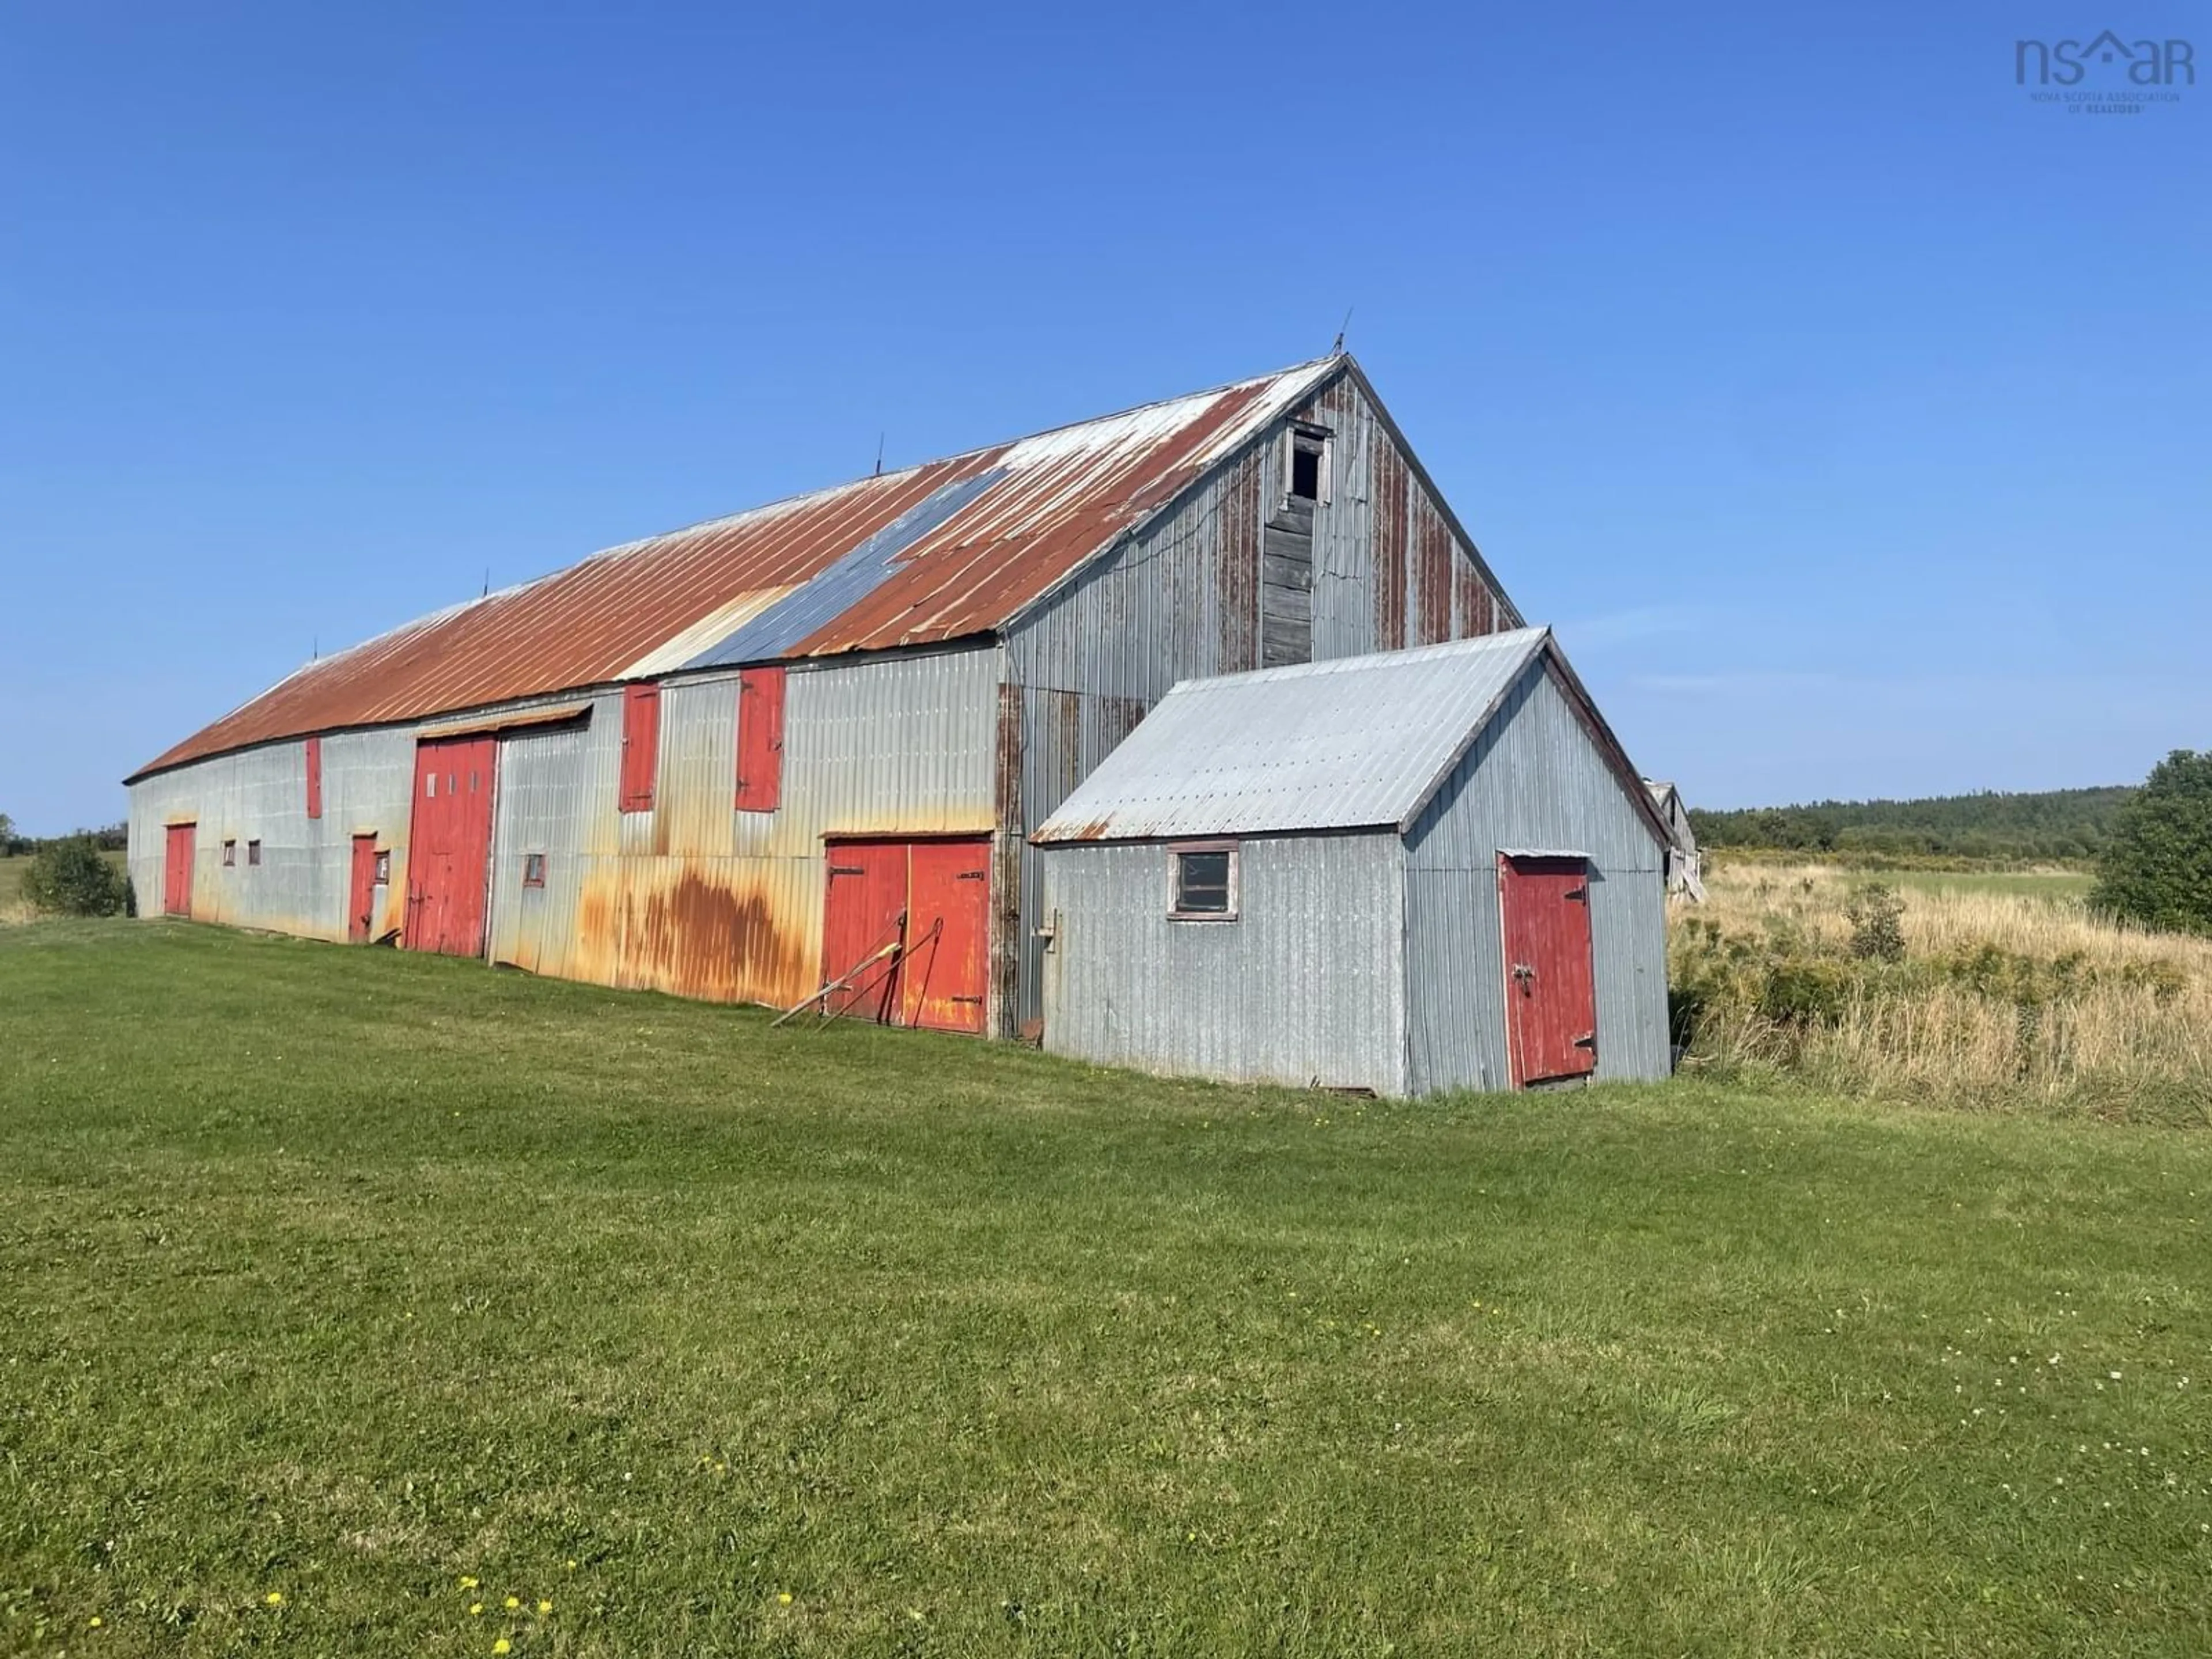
(760,739)
(315,777)
(640,751)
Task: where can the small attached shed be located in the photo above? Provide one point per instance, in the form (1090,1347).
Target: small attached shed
(1684,863)
(1405,872)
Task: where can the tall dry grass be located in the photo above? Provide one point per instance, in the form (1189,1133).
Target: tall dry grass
(2003,1000)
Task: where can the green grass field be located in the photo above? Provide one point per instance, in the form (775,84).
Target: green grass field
(2059,885)
(344,1293)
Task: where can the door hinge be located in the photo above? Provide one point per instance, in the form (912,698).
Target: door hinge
(971,875)
(1580,895)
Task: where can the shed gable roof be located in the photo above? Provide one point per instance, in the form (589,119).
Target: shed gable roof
(944,550)
(1351,742)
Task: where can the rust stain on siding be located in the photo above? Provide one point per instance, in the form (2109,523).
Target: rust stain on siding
(681,930)
(1007,867)
(1390,549)
(1433,575)
(1238,592)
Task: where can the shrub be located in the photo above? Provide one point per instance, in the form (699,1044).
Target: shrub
(70,878)
(2156,870)
(1877,919)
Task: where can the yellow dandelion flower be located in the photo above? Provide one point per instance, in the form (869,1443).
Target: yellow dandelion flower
(275,1598)
(502,1646)
(783,1598)
(467,1582)
(513,1603)
(545,1608)
(95,1622)
(572,1564)
(474,1608)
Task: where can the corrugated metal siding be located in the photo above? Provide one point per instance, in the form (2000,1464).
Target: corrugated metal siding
(1182,600)
(1389,570)
(1303,986)
(1534,779)
(693,896)
(300,886)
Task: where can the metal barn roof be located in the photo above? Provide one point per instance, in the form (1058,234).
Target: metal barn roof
(1351,742)
(939,551)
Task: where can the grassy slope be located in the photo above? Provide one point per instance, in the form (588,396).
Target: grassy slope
(342,1275)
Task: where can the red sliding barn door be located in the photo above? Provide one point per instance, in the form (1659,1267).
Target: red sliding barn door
(1551,991)
(930,899)
(948,934)
(449,845)
(864,919)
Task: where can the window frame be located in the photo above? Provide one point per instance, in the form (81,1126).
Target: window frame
(1177,852)
(230,853)
(1304,437)
(253,855)
(533,869)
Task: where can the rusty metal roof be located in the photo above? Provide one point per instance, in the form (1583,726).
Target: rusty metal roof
(940,551)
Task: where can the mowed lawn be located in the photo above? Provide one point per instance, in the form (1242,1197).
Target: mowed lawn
(344,1294)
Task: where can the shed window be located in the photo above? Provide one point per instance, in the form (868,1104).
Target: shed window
(533,869)
(383,869)
(229,854)
(1309,464)
(1205,883)
(640,746)
(253,852)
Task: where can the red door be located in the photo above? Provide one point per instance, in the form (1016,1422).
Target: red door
(449,846)
(1551,992)
(177,871)
(361,907)
(932,899)
(865,916)
(948,935)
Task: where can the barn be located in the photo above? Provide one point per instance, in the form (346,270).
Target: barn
(1401,872)
(739,760)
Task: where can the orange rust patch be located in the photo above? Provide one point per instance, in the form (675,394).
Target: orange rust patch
(691,936)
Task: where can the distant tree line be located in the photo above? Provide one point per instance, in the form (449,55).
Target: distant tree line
(2051,824)
(112,838)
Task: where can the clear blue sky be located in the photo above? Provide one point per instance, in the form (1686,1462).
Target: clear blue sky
(1850,414)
